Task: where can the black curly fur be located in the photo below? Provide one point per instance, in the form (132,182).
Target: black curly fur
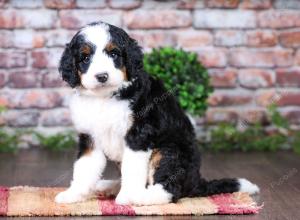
(159,122)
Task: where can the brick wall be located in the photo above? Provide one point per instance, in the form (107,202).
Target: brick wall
(251,48)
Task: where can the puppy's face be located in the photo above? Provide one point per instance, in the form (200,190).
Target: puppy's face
(99,59)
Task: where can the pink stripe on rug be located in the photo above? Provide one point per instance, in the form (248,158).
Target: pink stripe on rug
(4,192)
(109,207)
(227,204)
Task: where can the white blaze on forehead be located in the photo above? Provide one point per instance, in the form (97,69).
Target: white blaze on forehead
(97,34)
(100,62)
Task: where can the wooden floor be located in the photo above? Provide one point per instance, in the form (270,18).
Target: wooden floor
(277,174)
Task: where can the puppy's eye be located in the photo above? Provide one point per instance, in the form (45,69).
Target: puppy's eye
(114,55)
(86,59)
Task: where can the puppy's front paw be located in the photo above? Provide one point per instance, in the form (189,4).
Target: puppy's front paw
(122,199)
(69,196)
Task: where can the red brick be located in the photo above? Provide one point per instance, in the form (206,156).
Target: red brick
(280,98)
(190,4)
(74,19)
(287,4)
(279,18)
(292,115)
(56,117)
(138,36)
(288,78)
(256,4)
(261,38)
(40,59)
(154,39)
(150,19)
(229,38)
(46,58)
(159,5)
(256,78)
(159,39)
(58,38)
(223,78)
(266,98)
(193,39)
(3,3)
(215,116)
(224,19)
(51,80)
(91,3)
(297,57)
(26,4)
(252,116)
(6,39)
(283,58)
(22,118)
(262,58)
(28,39)
(12,59)
(4,99)
(23,99)
(220,98)
(213,57)
(60,4)
(24,79)
(2,79)
(290,39)
(128,4)
(221,3)
(289,98)
(12,18)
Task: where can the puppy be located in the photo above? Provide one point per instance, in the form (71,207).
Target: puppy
(123,114)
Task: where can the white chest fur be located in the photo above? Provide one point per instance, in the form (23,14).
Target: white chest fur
(107,120)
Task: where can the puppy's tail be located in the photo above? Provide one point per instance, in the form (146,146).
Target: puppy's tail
(227,185)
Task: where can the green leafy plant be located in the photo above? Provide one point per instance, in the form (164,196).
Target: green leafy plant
(8,141)
(56,142)
(276,118)
(181,71)
(2,109)
(226,137)
(296,142)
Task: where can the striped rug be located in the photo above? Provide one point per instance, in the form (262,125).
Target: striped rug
(35,201)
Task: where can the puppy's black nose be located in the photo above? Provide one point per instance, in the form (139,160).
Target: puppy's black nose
(102,77)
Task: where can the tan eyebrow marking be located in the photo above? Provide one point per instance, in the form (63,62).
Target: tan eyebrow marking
(125,77)
(110,46)
(86,49)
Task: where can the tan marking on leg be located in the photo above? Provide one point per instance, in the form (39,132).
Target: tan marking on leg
(90,147)
(88,151)
(153,165)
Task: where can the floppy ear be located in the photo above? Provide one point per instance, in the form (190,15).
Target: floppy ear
(134,58)
(67,68)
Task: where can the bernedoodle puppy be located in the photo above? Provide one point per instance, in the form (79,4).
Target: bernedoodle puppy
(116,113)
